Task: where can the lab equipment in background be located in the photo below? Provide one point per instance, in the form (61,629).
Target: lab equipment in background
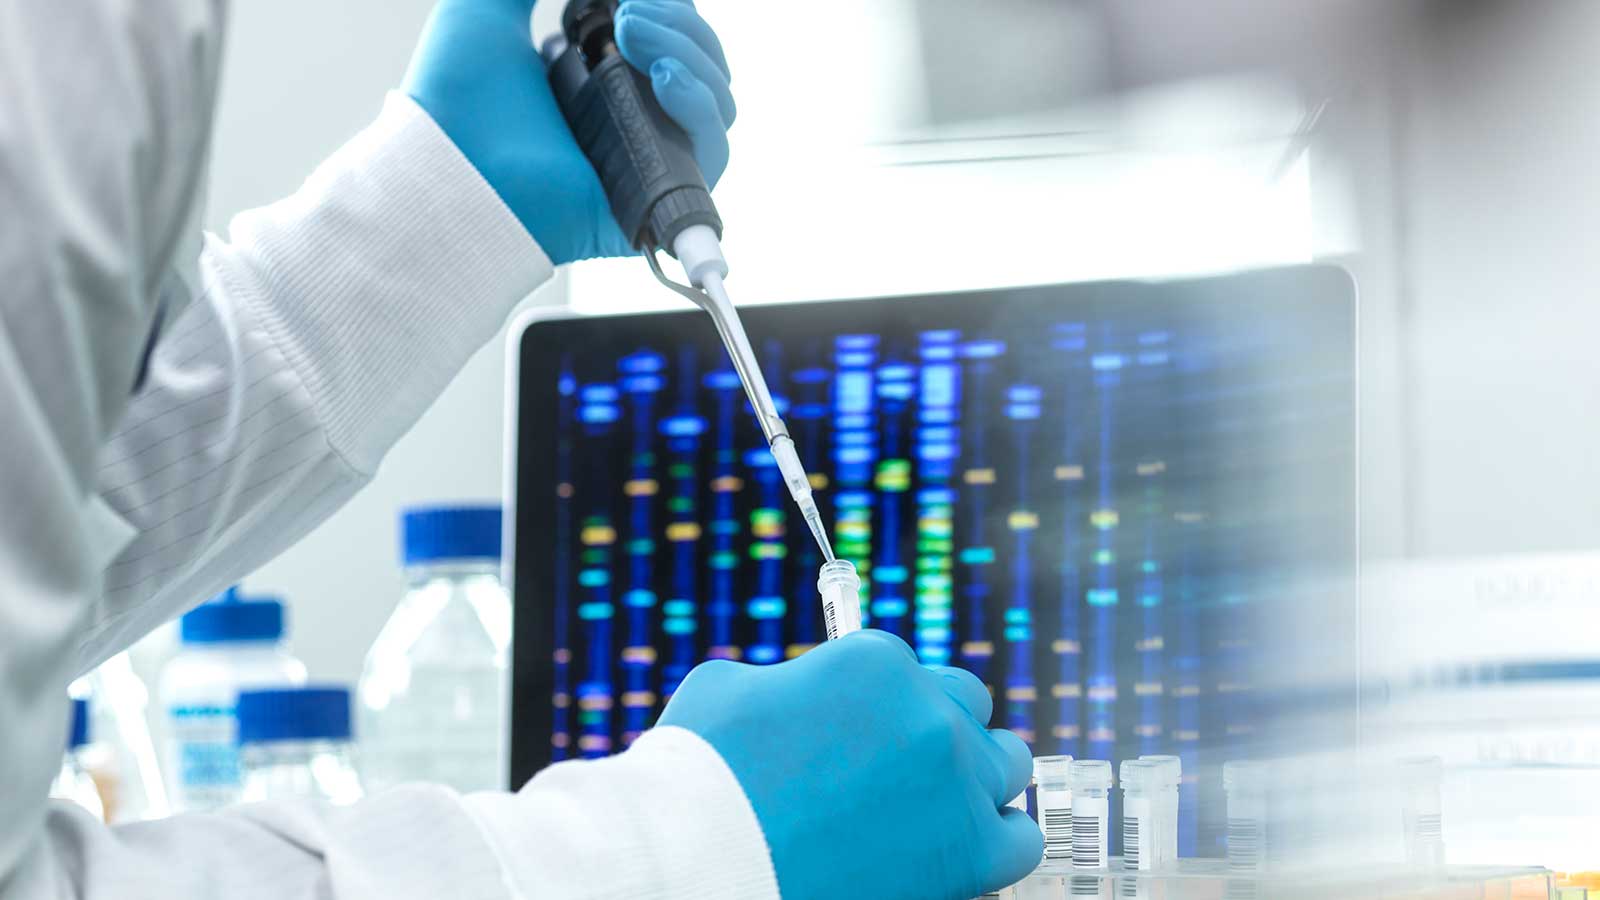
(1420,810)
(1141,813)
(74,783)
(122,757)
(232,643)
(647,166)
(840,588)
(295,742)
(1245,784)
(433,689)
(1052,778)
(1091,812)
(1165,846)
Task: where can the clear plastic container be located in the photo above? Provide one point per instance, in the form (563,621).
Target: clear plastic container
(74,783)
(1420,810)
(1141,814)
(1091,812)
(1171,768)
(1052,779)
(122,758)
(228,645)
(1245,784)
(840,588)
(432,697)
(295,742)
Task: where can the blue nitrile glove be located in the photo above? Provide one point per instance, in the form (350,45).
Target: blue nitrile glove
(478,74)
(872,776)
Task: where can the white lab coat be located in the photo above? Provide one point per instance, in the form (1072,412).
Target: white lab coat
(295,352)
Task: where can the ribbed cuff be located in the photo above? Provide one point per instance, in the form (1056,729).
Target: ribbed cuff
(667,819)
(384,273)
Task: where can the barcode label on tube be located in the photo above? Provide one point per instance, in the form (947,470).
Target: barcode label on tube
(1087,850)
(1430,827)
(1138,836)
(830,619)
(1057,824)
(1244,845)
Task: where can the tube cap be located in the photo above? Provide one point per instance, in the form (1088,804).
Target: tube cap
(435,533)
(1090,773)
(294,714)
(1053,773)
(1139,774)
(227,620)
(79,736)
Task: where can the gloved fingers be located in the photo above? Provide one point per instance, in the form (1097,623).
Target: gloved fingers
(966,689)
(882,637)
(1014,847)
(644,42)
(680,16)
(1014,762)
(521,10)
(689,102)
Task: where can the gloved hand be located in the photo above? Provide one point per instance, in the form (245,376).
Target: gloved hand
(478,74)
(872,776)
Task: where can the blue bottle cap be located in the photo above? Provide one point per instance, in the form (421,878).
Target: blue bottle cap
(79,736)
(227,620)
(294,714)
(435,533)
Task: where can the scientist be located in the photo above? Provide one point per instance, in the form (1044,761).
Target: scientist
(176,409)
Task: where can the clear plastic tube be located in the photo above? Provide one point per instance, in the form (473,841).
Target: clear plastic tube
(1420,810)
(1091,812)
(1141,813)
(1166,845)
(1245,784)
(840,588)
(1052,778)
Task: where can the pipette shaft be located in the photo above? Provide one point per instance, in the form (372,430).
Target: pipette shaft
(659,197)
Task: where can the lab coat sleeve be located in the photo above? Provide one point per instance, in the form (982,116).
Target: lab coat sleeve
(323,328)
(664,821)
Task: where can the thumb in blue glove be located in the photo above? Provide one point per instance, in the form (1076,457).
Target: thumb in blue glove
(871,775)
(478,74)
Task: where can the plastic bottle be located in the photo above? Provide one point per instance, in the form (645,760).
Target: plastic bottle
(74,783)
(122,758)
(228,645)
(432,695)
(295,742)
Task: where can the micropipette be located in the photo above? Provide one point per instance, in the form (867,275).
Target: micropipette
(646,165)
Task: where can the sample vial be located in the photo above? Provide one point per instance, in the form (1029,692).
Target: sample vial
(1091,812)
(1052,778)
(1245,784)
(1420,810)
(1141,813)
(1165,847)
(840,588)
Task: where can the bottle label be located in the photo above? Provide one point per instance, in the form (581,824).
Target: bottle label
(203,755)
